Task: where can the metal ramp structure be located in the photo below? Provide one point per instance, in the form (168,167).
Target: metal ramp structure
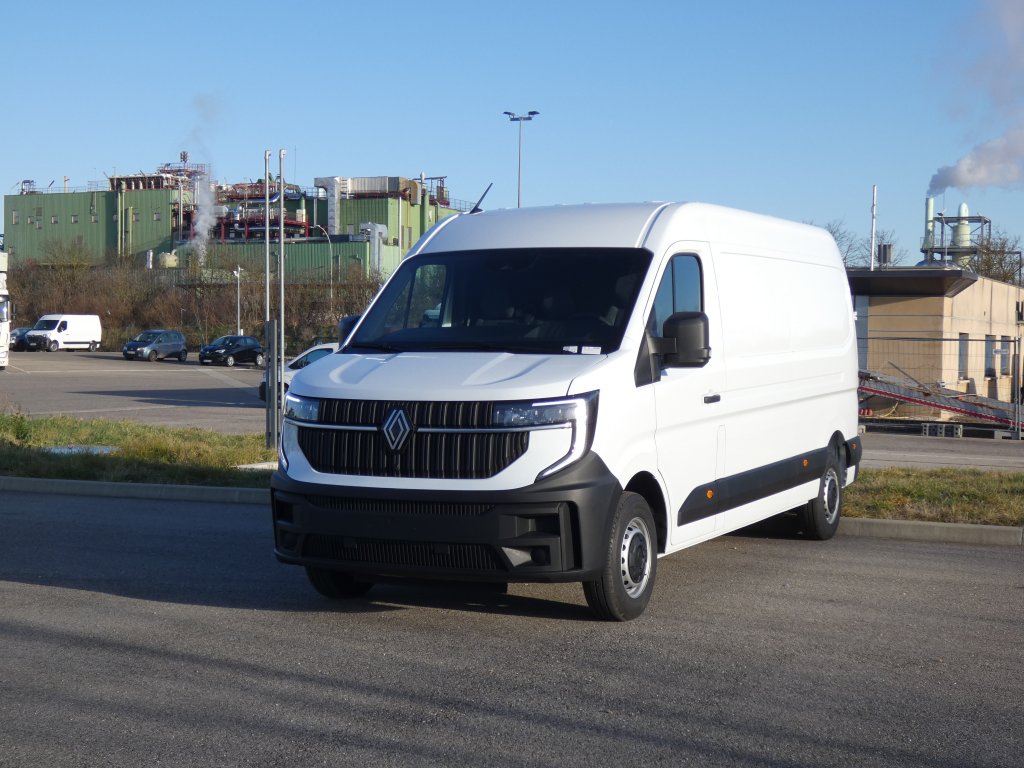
(936,396)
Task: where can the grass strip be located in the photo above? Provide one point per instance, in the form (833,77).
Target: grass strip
(192,456)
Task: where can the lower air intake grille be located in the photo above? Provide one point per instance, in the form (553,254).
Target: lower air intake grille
(454,557)
(395,507)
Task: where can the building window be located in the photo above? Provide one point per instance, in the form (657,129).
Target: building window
(113,218)
(962,356)
(990,357)
(74,218)
(94,218)
(14,217)
(1004,356)
(30,220)
(136,216)
(156,215)
(53,219)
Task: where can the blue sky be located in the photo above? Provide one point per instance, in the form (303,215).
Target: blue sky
(792,108)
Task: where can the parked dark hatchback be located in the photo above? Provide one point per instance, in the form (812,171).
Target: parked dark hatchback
(18,342)
(229,350)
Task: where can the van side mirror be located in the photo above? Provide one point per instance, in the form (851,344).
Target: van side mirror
(689,331)
(345,326)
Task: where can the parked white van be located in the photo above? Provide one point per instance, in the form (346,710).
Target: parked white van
(53,332)
(567,393)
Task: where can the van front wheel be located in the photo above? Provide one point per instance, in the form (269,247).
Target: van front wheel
(627,581)
(54,345)
(819,517)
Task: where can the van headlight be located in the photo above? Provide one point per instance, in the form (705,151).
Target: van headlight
(577,413)
(300,408)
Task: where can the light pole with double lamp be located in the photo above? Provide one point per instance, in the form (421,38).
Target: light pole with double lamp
(514,118)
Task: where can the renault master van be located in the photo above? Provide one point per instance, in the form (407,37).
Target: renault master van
(569,393)
(53,332)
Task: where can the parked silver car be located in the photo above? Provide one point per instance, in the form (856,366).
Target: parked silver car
(156,344)
(311,355)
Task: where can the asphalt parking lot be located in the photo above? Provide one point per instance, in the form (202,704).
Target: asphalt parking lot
(163,632)
(105,385)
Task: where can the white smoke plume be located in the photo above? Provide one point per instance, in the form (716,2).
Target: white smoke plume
(205,218)
(998,162)
(995,163)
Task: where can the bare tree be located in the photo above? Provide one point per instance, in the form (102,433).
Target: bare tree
(999,258)
(856,249)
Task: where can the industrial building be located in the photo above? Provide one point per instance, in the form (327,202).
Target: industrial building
(937,340)
(175,218)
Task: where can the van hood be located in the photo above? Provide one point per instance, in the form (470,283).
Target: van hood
(441,376)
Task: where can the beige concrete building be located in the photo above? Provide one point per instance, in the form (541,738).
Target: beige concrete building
(936,328)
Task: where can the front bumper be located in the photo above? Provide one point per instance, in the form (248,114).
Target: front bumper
(555,530)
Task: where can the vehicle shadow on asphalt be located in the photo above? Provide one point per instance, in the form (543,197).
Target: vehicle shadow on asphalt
(216,555)
(223,397)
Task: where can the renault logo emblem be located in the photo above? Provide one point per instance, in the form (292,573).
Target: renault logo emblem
(396,429)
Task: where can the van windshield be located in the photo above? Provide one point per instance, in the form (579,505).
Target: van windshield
(534,301)
(44,325)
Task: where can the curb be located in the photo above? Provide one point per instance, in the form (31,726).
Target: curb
(949,533)
(205,493)
(907,530)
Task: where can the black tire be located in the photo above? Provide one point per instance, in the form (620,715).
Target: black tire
(182,355)
(259,361)
(54,346)
(229,361)
(335,584)
(93,346)
(819,517)
(151,356)
(627,582)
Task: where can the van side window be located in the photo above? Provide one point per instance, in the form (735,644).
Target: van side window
(680,290)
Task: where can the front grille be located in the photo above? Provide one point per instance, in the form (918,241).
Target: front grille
(465,449)
(402,554)
(371,413)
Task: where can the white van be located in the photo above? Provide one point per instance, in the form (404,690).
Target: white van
(53,332)
(566,393)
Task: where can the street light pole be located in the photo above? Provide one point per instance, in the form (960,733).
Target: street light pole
(330,256)
(266,241)
(514,118)
(237,272)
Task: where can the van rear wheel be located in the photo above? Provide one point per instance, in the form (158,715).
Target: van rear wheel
(627,581)
(335,584)
(819,517)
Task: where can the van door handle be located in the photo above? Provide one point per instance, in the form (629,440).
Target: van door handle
(712,398)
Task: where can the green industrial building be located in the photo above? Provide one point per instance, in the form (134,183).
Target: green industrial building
(174,219)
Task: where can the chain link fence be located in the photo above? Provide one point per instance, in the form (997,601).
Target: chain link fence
(960,378)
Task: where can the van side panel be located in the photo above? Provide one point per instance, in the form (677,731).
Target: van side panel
(781,321)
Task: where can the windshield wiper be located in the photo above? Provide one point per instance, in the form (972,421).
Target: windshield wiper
(373,347)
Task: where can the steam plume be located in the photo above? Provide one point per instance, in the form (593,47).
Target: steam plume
(205,217)
(998,162)
(995,163)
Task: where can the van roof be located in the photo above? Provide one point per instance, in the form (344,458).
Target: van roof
(614,225)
